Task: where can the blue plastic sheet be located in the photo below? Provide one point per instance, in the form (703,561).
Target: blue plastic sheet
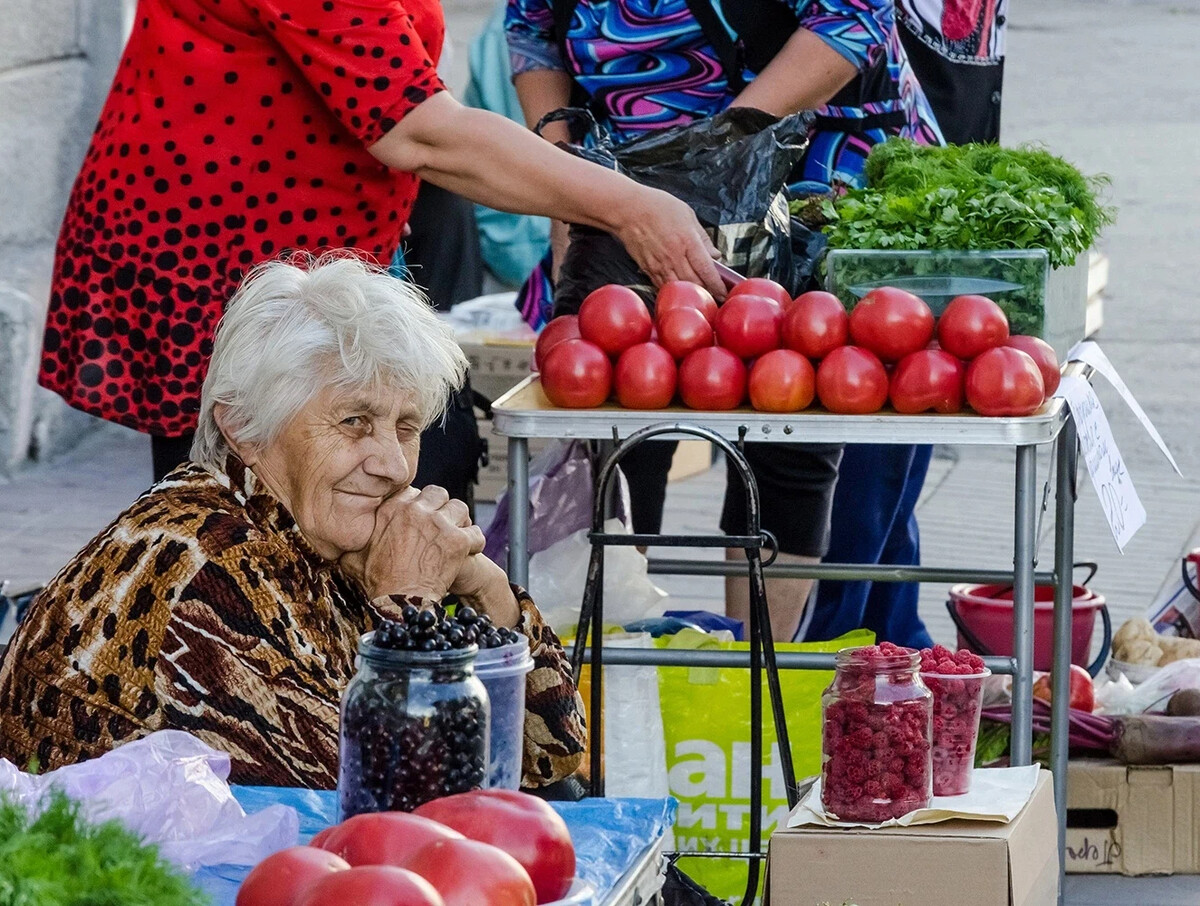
(609,834)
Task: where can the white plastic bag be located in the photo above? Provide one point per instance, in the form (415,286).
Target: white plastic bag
(558,573)
(169,788)
(1121,697)
(635,751)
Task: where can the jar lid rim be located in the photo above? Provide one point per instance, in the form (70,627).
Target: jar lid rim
(455,657)
(855,658)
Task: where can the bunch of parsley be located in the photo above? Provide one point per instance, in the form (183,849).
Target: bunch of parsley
(969,197)
(60,859)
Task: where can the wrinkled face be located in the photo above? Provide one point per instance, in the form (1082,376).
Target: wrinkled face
(336,461)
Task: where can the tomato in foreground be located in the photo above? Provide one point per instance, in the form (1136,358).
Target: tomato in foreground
(927,379)
(1004,381)
(645,377)
(971,325)
(891,323)
(614,317)
(852,381)
(1043,355)
(564,327)
(1083,690)
(383,838)
(684,294)
(712,379)
(470,873)
(816,324)
(782,381)
(749,325)
(761,286)
(371,885)
(577,375)
(280,878)
(684,330)
(525,827)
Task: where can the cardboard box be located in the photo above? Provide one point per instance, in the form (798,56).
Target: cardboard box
(692,457)
(1133,819)
(493,478)
(498,360)
(950,864)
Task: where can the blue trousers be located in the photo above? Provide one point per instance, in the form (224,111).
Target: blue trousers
(874,522)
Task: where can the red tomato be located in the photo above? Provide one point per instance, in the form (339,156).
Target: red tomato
(564,327)
(816,324)
(749,325)
(524,826)
(469,873)
(372,885)
(684,330)
(577,375)
(281,877)
(1004,381)
(1043,356)
(761,286)
(971,325)
(1083,690)
(383,838)
(614,317)
(782,381)
(682,294)
(645,377)
(320,837)
(891,323)
(712,379)
(927,379)
(852,381)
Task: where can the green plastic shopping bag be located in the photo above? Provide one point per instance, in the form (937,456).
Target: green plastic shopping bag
(706,725)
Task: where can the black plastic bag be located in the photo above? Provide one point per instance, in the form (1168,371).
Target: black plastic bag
(680,890)
(731,170)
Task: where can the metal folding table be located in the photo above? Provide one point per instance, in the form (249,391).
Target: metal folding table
(524,413)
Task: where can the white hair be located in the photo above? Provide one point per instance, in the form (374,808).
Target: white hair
(296,326)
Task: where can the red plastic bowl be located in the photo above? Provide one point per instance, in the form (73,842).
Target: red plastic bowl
(987,612)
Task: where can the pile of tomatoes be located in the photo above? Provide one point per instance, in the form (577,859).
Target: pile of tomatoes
(782,354)
(483,848)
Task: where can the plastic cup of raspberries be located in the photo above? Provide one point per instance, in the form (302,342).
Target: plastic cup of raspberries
(956,681)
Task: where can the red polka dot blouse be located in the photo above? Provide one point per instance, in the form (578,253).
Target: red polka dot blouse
(235,130)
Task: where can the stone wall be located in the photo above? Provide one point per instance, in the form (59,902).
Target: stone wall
(57,58)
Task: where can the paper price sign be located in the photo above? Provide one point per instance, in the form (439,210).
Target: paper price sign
(1122,507)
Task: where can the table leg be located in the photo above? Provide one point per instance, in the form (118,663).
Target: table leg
(1064,555)
(518,511)
(1023,557)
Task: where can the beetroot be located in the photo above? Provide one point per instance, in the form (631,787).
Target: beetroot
(876,735)
(956,681)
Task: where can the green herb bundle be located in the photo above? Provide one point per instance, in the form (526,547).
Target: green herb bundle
(59,859)
(969,197)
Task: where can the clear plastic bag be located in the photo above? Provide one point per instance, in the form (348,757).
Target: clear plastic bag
(170,789)
(1122,697)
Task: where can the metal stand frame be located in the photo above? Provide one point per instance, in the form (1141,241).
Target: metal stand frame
(762,643)
(519,418)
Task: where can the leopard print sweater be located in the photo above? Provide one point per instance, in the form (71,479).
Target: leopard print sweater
(202,608)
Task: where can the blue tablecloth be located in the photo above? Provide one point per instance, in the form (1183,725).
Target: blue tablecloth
(609,834)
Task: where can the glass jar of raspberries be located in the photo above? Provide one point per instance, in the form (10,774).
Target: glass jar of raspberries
(876,719)
(414,721)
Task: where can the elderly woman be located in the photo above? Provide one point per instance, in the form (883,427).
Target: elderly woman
(228,600)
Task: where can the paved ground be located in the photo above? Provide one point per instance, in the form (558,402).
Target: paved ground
(1102,82)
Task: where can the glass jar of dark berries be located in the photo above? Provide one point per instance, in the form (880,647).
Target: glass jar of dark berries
(876,718)
(414,723)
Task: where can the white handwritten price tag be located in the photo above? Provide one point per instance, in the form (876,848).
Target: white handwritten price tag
(1122,507)
(1089,352)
